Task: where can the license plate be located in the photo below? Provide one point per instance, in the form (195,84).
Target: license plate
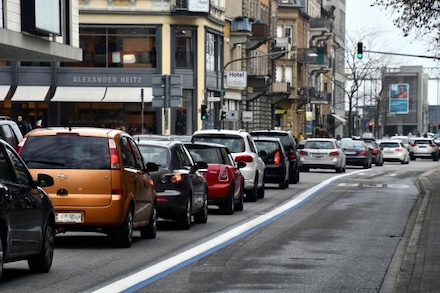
(68,217)
(350,153)
(317,155)
(422,146)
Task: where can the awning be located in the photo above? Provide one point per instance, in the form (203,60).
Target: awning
(4,89)
(78,94)
(127,94)
(343,120)
(26,93)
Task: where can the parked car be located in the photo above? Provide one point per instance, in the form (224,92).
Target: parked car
(394,151)
(101,181)
(225,181)
(376,152)
(322,153)
(27,216)
(9,131)
(357,153)
(424,148)
(274,156)
(147,137)
(289,144)
(182,191)
(242,147)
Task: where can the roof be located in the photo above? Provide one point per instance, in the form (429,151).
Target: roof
(84,131)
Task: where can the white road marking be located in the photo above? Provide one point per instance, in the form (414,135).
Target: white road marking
(148,275)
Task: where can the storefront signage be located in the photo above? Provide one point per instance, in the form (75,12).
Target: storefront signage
(236,79)
(198,6)
(107,79)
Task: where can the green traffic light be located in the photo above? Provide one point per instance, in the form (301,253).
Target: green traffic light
(204,117)
(360,56)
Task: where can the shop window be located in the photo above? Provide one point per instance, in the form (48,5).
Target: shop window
(184,49)
(128,47)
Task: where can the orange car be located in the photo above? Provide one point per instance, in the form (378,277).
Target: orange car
(101,181)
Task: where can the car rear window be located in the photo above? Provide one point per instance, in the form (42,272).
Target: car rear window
(417,141)
(66,152)
(235,144)
(268,146)
(208,155)
(325,145)
(389,145)
(284,137)
(155,154)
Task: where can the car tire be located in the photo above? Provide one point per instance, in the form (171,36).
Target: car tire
(252,195)
(435,157)
(294,178)
(338,170)
(201,217)
(239,205)
(283,183)
(42,262)
(149,231)
(184,220)
(228,207)
(260,191)
(412,158)
(122,236)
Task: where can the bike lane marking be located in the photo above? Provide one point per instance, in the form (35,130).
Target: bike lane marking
(166,267)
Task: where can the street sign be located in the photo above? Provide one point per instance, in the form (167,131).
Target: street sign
(158,102)
(236,79)
(213,99)
(247,116)
(158,85)
(176,85)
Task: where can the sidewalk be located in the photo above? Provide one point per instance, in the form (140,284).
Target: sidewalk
(420,271)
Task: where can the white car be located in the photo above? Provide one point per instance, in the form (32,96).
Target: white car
(424,148)
(322,153)
(242,147)
(394,151)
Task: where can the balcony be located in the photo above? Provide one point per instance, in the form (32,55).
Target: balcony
(292,3)
(242,24)
(280,87)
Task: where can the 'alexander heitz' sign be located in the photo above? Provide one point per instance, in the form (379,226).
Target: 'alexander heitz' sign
(236,79)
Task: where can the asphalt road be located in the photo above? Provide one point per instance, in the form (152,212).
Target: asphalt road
(341,238)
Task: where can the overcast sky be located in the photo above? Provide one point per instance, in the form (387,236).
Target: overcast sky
(359,16)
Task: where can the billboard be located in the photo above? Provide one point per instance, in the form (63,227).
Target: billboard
(399,98)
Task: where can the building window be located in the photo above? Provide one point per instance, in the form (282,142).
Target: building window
(184,49)
(212,55)
(128,47)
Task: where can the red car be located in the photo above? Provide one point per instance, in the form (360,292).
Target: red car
(225,182)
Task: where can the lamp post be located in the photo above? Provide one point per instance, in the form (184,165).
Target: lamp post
(222,81)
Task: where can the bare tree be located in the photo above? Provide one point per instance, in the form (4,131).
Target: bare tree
(416,16)
(357,71)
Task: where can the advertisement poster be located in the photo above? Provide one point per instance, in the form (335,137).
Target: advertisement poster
(309,123)
(399,98)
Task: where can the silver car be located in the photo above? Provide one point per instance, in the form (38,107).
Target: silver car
(394,150)
(322,153)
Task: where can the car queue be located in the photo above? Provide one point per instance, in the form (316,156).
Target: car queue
(107,181)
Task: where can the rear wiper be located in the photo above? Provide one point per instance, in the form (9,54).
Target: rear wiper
(46,162)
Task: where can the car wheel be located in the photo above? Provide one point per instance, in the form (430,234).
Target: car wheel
(283,183)
(123,236)
(240,204)
(338,170)
(294,178)
(261,191)
(184,220)
(435,157)
(42,262)
(201,217)
(149,231)
(252,195)
(228,206)
(412,158)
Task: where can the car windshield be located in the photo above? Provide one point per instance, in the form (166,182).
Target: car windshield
(235,144)
(208,155)
(326,145)
(154,154)
(66,152)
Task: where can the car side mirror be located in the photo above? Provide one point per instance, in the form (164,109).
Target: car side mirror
(241,164)
(44,180)
(151,167)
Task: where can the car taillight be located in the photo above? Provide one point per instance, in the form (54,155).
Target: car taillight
(362,153)
(117,191)
(334,154)
(20,146)
(374,152)
(277,158)
(398,150)
(303,153)
(223,175)
(431,145)
(114,156)
(292,156)
(244,158)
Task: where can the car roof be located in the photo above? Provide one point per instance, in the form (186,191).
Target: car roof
(162,143)
(82,131)
(320,139)
(204,145)
(266,138)
(240,132)
(282,132)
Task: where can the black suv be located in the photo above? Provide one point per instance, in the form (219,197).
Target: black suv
(9,131)
(289,145)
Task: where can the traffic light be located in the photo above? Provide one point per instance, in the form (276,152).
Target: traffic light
(204,112)
(370,126)
(360,50)
(223,115)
